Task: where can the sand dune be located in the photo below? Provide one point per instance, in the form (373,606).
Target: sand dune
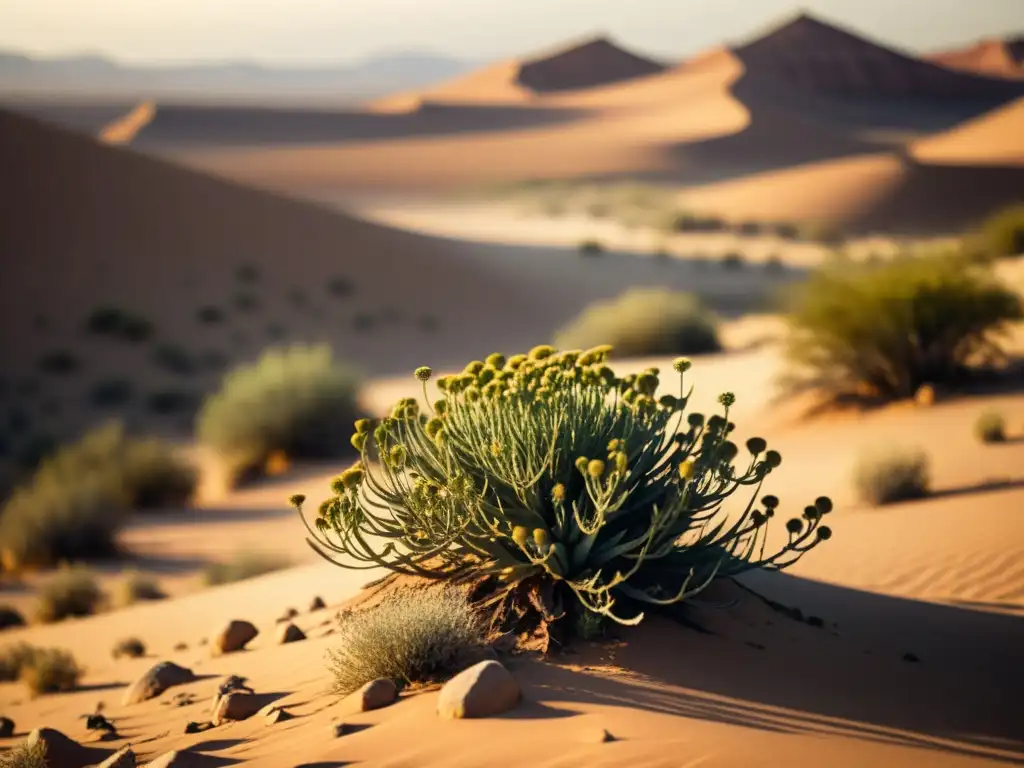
(823,58)
(580,65)
(996,138)
(936,580)
(126,128)
(874,193)
(994,57)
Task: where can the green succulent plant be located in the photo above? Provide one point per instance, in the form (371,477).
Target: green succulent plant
(567,486)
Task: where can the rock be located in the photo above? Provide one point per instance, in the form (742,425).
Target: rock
(229,684)
(181,647)
(289,633)
(234,706)
(232,637)
(317,604)
(504,643)
(193,727)
(123,758)
(483,690)
(288,615)
(6,727)
(342,729)
(158,679)
(10,618)
(596,736)
(64,752)
(278,715)
(374,695)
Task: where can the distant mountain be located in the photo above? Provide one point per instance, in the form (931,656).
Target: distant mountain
(93,76)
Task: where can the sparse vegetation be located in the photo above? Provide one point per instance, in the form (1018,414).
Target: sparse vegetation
(71,592)
(135,587)
(119,323)
(410,637)
(733,260)
(893,474)
(990,427)
(691,222)
(110,393)
(59,363)
(297,400)
(244,565)
(129,647)
(78,498)
(50,670)
(24,756)
(884,330)
(559,488)
(822,233)
(591,248)
(1002,234)
(644,321)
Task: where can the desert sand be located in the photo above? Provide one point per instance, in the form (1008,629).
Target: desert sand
(996,138)
(992,56)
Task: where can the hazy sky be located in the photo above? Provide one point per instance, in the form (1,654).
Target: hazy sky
(306,31)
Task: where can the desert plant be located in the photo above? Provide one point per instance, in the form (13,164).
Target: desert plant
(733,260)
(565,487)
(60,362)
(294,400)
(990,427)
(690,222)
(129,647)
(884,330)
(135,587)
(822,233)
(24,755)
(591,247)
(50,670)
(1002,234)
(72,591)
(644,321)
(79,497)
(243,565)
(888,475)
(110,393)
(412,636)
(12,659)
(119,323)
(10,617)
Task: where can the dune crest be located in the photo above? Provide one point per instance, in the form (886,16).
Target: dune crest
(995,57)
(126,128)
(995,138)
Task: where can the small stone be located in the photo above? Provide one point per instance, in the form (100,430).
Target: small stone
(289,633)
(63,751)
(288,615)
(157,680)
(234,706)
(374,695)
(233,637)
(123,758)
(596,736)
(504,643)
(483,690)
(341,729)
(181,647)
(278,715)
(193,727)
(202,641)
(317,604)
(6,727)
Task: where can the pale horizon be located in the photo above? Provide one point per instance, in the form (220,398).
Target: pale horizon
(328,33)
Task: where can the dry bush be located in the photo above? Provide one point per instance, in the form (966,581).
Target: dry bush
(889,475)
(412,636)
(72,591)
(135,587)
(990,427)
(43,670)
(1002,234)
(642,322)
(25,756)
(591,247)
(129,647)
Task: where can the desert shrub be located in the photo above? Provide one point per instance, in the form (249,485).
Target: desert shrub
(167,402)
(413,636)
(135,587)
(644,321)
(1002,234)
(822,233)
(774,264)
(50,670)
(119,323)
(129,647)
(340,287)
(72,591)
(884,330)
(244,565)
(174,359)
(786,231)
(60,362)
(733,260)
(110,393)
(79,497)
(990,427)
(591,247)
(296,400)
(13,659)
(24,755)
(559,485)
(210,315)
(749,228)
(10,617)
(690,222)
(888,475)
